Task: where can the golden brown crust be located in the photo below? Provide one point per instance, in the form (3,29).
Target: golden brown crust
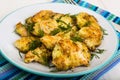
(67,55)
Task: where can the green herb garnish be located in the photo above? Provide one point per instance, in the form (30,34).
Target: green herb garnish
(94,55)
(87,24)
(104,31)
(29,27)
(58,20)
(42,56)
(63,28)
(41,33)
(96,52)
(55,31)
(74,20)
(20,54)
(76,38)
(34,44)
(45,59)
(99,51)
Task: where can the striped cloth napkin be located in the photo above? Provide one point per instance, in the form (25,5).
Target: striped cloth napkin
(10,72)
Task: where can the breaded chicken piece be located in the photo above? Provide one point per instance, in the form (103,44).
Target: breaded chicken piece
(85,19)
(80,21)
(67,55)
(40,54)
(46,26)
(22,44)
(67,19)
(29,20)
(68,34)
(21,30)
(64,22)
(50,41)
(42,15)
(90,30)
(92,36)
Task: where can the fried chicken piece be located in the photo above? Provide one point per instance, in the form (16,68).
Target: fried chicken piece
(50,41)
(46,26)
(84,19)
(40,54)
(67,55)
(92,36)
(22,44)
(42,15)
(21,30)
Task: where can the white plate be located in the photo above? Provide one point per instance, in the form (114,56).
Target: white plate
(8,37)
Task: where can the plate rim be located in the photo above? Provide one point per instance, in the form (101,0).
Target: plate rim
(59,74)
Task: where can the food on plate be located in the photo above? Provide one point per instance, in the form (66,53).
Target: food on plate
(23,44)
(63,40)
(68,54)
(40,54)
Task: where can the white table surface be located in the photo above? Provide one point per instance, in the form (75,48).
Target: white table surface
(6,6)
